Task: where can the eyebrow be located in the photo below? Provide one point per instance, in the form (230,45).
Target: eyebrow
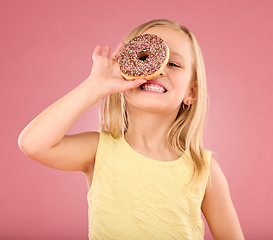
(176,54)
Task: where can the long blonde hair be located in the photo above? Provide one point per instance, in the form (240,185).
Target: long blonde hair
(186,133)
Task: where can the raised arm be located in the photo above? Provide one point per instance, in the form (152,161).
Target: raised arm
(218,208)
(44,139)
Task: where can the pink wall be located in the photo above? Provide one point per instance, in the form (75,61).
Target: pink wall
(46,49)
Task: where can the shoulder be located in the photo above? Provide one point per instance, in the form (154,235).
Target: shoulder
(217,204)
(106,141)
(217,185)
(207,156)
(111,137)
(217,177)
(97,137)
(105,137)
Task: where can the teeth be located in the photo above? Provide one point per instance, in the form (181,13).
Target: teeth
(153,87)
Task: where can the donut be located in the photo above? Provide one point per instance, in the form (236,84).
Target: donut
(144,56)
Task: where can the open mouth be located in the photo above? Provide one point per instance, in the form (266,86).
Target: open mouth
(153,87)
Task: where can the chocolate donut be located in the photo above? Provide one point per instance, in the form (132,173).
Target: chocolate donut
(144,56)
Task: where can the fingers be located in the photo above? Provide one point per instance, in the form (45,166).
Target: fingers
(117,51)
(105,52)
(135,83)
(96,51)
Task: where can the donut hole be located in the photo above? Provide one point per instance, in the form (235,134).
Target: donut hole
(143,55)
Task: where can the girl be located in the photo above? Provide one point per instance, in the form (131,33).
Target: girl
(148,173)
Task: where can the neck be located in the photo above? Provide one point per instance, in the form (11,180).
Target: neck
(149,129)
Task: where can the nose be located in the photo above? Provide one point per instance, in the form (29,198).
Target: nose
(163,73)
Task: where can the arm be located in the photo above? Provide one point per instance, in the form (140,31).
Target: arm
(218,208)
(44,139)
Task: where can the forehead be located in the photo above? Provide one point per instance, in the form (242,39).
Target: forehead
(177,41)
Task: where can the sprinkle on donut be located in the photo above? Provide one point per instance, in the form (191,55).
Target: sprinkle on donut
(144,56)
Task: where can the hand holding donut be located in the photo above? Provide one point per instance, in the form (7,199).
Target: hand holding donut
(106,74)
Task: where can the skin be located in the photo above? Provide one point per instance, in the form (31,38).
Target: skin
(153,108)
(44,139)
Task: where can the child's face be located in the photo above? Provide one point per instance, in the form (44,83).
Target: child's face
(176,76)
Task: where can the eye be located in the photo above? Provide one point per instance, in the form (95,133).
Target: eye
(171,64)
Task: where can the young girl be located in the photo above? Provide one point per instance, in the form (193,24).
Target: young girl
(148,173)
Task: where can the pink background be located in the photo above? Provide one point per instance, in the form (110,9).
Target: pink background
(45,51)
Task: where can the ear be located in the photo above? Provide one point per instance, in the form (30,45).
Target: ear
(192,93)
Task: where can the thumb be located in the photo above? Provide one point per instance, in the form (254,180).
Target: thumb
(135,83)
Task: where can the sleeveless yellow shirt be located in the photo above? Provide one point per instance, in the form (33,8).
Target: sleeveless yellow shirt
(134,197)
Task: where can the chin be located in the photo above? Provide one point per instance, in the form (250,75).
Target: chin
(151,106)
(150,102)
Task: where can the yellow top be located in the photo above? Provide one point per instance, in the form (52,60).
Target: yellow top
(136,197)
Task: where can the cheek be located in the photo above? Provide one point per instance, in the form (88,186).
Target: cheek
(181,86)
(128,93)
(182,82)
(131,96)
(181,92)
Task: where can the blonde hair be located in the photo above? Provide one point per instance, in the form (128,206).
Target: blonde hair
(186,133)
